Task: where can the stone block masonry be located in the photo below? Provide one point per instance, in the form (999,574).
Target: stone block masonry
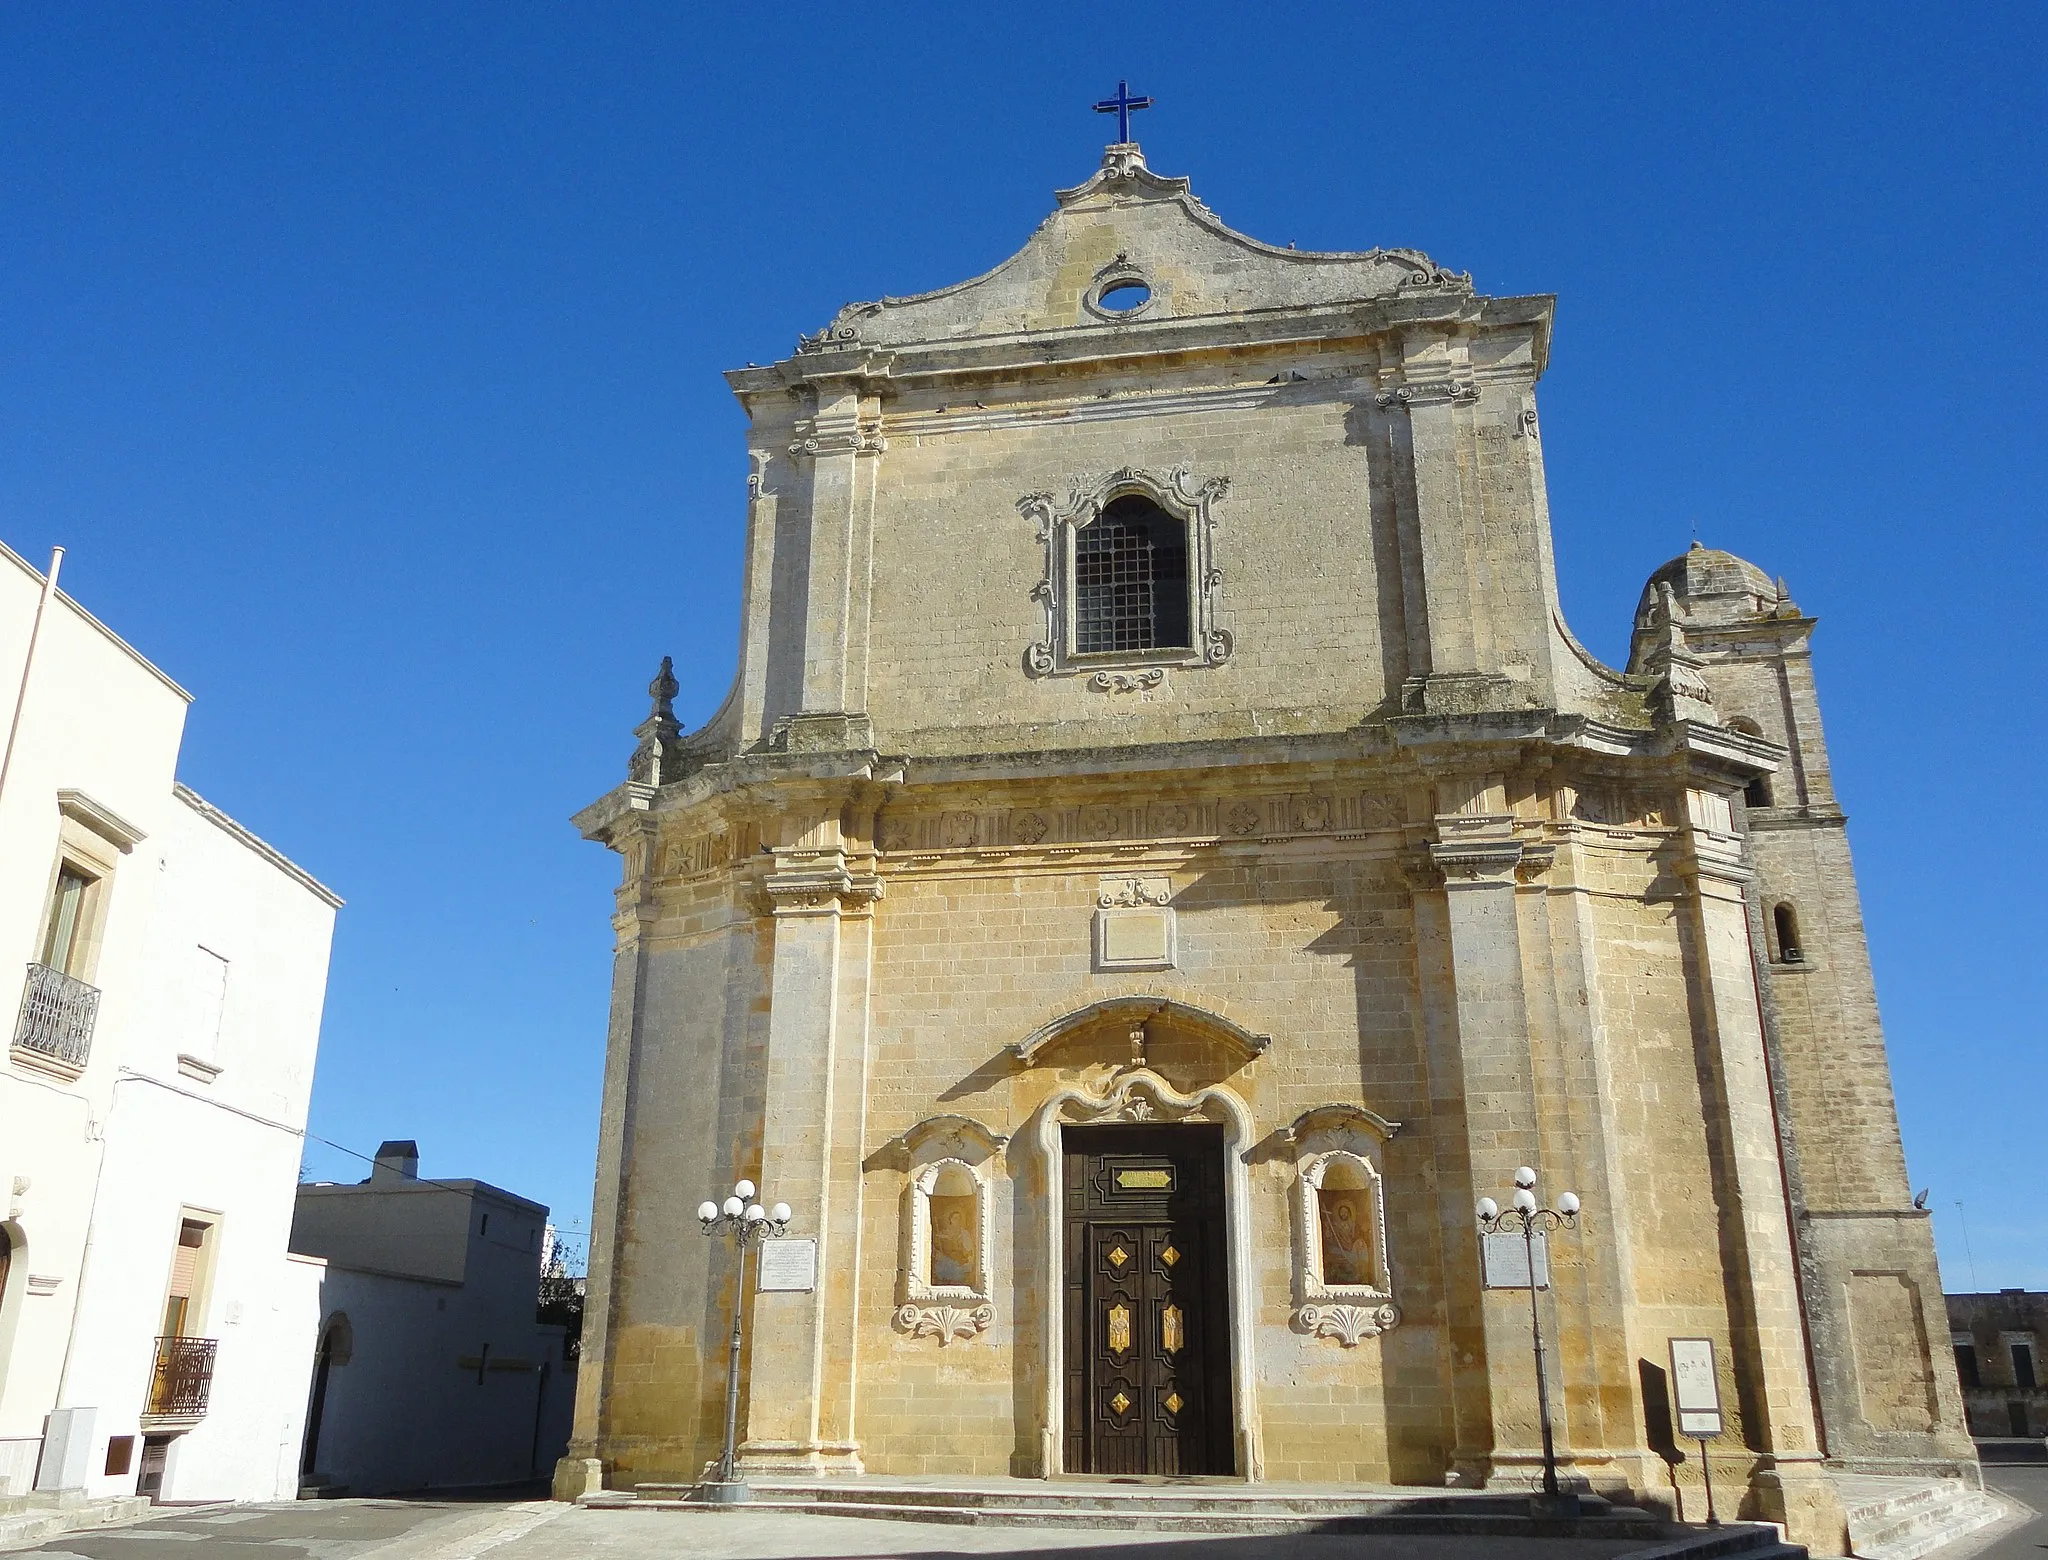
(1408,890)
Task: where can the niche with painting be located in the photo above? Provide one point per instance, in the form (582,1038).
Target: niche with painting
(947,1266)
(1344,1279)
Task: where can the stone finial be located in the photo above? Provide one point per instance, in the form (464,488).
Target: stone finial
(664,688)
(658,758)
(1681,692)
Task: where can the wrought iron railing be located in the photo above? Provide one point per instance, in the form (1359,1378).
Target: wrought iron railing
(184,1376)
(57,1014)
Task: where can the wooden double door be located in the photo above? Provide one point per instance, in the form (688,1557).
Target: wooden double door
(1147,1301)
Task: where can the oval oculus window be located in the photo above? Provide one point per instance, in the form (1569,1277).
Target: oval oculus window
(1123,297)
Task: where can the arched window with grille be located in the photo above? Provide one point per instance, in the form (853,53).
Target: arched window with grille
(1131,580)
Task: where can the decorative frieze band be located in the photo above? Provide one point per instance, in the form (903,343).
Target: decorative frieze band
(974,826)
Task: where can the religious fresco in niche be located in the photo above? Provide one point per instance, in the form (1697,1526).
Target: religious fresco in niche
(1346,1216)
(1344,1281)
(947,1278)
(954,1240)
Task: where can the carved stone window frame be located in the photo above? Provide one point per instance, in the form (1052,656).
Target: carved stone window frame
(1181,496)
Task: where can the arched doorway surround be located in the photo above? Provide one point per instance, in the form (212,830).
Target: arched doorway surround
(1139,1094)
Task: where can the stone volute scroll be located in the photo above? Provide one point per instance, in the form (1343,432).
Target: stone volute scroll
(1182,497)
(1344,1278)
(1135,927)
(946,1281)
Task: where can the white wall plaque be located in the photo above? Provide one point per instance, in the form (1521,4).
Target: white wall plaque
(1695,1388)
(1507,1261)
(788,1265)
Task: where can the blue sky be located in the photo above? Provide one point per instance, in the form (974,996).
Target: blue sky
(366,358)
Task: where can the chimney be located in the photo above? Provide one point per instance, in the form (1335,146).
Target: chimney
(398,1160)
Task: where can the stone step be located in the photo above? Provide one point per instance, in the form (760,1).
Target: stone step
(1140,1500)
(1906,1523)
(1256,1515)
(38,1517)
(1242,1510)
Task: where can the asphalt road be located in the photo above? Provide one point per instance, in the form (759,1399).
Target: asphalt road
(313,1530)
(2026,1483)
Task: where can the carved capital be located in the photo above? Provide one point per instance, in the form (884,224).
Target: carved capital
(1465,862)
(1420,870)
(813,890)
(1715,865)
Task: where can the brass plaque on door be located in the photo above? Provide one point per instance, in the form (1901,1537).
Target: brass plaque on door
(1145,1180)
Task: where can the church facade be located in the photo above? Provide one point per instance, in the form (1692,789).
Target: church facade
(1164,858)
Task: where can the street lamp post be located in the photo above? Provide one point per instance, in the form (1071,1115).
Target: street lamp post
(1527,1218)
(746,1222)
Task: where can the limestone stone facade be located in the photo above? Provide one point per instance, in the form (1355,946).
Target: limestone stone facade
(1361,863)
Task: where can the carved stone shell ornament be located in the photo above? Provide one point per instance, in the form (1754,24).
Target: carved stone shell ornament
(944,1322)
(1347,1323)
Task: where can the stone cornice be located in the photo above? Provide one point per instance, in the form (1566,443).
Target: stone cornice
(1404,749)
(1183,337)
(1777,820)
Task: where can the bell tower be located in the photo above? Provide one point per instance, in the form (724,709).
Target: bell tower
(1871,1290)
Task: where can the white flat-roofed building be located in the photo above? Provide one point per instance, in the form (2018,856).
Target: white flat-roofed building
(162,972)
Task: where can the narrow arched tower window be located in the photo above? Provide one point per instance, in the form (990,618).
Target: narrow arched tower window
(1131,580)
(1758,792)
(1786,924)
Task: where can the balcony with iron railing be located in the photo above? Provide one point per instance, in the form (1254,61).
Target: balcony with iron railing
(182,1380)
(54,1031)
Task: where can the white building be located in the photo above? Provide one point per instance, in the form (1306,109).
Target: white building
(433,1371)
(155,1334)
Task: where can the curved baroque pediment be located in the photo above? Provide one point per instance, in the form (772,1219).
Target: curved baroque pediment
(1128,224)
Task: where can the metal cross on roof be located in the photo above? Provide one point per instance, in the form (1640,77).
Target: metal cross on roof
(1122,105)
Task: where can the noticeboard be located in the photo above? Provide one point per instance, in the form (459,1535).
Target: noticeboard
(790,1266)
(1695,1388)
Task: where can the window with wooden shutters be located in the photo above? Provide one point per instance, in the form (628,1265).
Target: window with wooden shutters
(185,1277)
(64,928)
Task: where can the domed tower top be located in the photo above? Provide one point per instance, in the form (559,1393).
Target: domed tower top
(1716,585)
(1708,588)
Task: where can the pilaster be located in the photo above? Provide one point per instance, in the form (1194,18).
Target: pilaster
(839,444)
(1584,1071)
(1482,1095)
(1453,662)
(1787,1485)
(800,1399)
(636,913)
